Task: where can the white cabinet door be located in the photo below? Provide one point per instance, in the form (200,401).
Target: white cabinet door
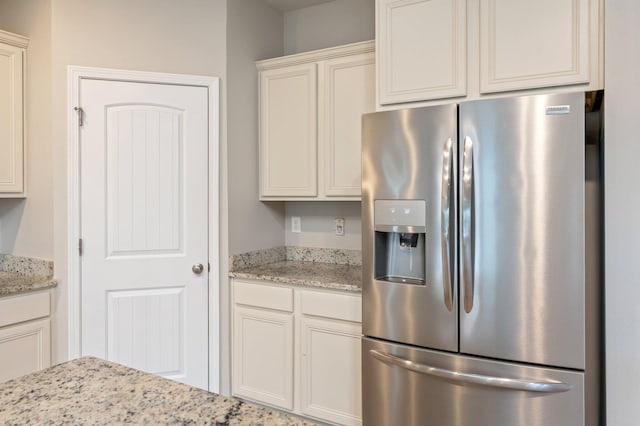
(347,90)
(527,44)
(11,116)
(24,348)
(331,370)
(288,140)
(421,49)
(263,356)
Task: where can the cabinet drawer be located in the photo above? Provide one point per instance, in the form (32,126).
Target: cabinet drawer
(24,307)
(338,306)
(263,296)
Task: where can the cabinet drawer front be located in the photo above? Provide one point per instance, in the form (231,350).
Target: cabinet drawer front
(24,308)
(330,305)
(263,296)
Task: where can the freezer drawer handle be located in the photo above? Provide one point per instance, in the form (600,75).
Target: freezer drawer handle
(478,379)
(467,224)
(445,219)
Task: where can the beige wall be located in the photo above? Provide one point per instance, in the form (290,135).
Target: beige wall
(622,207)
(329,24)
(317,224)
(317,27)
(187,36)
(254,32)
(26,225)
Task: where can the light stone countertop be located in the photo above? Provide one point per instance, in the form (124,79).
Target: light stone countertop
(91,391)
(12,283)
(307,274)
(20,274)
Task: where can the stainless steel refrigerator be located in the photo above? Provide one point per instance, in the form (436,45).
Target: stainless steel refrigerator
(482,270)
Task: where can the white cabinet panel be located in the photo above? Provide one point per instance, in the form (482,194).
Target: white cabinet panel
(288,143)
(25,348)
(346,92)
(527,44)
(12,151)
(331,370)
(263,356)
(421,49)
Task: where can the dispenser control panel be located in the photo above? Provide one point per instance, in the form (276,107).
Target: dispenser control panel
(400,212)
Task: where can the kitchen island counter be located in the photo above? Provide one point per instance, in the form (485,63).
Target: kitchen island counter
(93,391)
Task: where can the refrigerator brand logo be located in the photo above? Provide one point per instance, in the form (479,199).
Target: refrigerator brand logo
(558,109)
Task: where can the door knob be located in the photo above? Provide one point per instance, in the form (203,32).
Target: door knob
(197,268)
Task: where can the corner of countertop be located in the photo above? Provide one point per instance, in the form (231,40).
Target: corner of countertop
(30,266)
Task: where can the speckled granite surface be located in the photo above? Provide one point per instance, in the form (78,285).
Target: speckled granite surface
(324,255)
(24,274)
(257,257)
(26,265)
(307,274)
(90,391)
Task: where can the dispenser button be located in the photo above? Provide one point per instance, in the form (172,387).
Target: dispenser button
(407,210)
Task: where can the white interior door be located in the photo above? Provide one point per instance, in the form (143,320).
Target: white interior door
(144,212)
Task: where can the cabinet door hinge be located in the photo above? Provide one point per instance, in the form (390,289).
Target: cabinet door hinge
(80,247)
(80,112)
(208,267)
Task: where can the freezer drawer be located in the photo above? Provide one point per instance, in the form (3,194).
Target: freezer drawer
(403,385)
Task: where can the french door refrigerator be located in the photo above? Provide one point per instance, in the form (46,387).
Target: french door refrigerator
(482,263)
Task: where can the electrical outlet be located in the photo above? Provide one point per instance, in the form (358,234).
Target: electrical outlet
(339,226)
(296,223)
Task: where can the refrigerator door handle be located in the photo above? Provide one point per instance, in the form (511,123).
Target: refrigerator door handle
(445,234)
(467,224)
(547,386)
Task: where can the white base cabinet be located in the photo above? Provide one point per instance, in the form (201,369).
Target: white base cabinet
(298,349)
(25,335)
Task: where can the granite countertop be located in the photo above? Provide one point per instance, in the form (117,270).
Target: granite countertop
(20,274)
(97,392)
(12,283)
(308,274)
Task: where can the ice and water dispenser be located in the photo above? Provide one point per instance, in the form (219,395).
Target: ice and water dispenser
(400,228)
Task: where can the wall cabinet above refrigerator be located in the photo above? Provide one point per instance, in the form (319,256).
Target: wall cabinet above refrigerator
(436,49)
(310,109)
(12,146)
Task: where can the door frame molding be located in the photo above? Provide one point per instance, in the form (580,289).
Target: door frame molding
(74,76)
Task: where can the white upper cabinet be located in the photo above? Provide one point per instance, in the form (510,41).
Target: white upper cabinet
(526,44)
(429,50)
(12,147)
(288,131)
(421,49)
(310,122)
(348,92)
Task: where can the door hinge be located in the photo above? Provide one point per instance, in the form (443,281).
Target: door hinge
(80,112)
(208,267)
(80,246)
